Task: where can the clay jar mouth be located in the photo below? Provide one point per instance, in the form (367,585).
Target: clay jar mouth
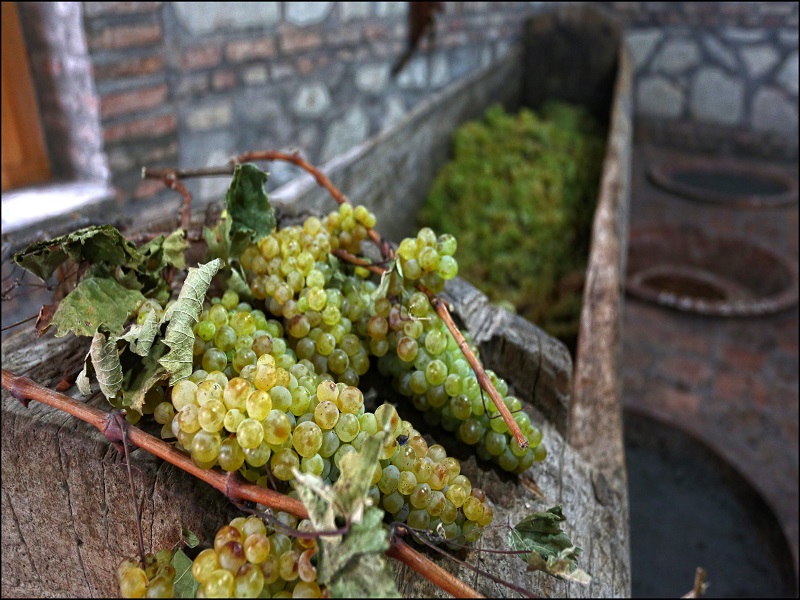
(687,504)
(686,269)
(726,182)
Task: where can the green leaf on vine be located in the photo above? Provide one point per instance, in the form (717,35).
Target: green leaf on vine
(252,216)
(238,283)
(140,337)
(362,571)
(96,301)
(181,318)
(105,363)
(551,550)
(96,244)
(351,565)
(128,366)
(185,585)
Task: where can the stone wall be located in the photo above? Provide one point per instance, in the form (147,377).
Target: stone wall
(130,84)
(715,76)
(192,84)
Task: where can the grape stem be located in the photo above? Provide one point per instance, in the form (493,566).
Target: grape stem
(25,389)
(444,313)
(172,175)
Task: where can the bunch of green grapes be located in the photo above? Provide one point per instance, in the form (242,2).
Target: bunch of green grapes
(319,305)
(153,579)
(428,260)
(427,366)
(248,560)
(421,486)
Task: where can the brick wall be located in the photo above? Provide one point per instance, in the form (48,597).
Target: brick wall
(191,84)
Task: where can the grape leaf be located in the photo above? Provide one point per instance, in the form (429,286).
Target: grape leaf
(185,584)
(140,337)
(94,302)
(352,565)
(362,571)
(105,363)
(238,283)
(551,550)
(95,244)
(127,366)
(175,246)
(142,376)
(164,251)
(181,318)
(251,214)
(218,240)
(189,538)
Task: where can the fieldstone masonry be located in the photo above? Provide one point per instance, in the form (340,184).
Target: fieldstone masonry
(124,85)
(717,74)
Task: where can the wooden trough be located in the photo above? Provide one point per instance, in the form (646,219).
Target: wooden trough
(67,517)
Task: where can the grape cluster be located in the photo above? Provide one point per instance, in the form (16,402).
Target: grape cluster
(275,385)
(427,366)
(423,487)
(248,560)
(428,260)
(153,579)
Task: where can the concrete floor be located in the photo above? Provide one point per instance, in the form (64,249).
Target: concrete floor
(731,382)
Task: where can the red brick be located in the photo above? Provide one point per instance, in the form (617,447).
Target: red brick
(132,101)
(144,127)
(304,66)
(97,9)
(223,80)
(294,40)
(134,67)
(201,57)
(244,50)
(126,36)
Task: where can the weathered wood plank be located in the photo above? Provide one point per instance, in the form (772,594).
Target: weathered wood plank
(66,503)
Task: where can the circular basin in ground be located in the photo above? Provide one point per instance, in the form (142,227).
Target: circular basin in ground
(726,182)
(687,269)
(690,508)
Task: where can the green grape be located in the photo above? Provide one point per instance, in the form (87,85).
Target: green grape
(406,483)
(393,502)
(183,394)
(212,415)
(307,439)
(133,583)
(326,414)
(206,446)
(419,519)
(347,427)
(276,427)
(161,586)
(283,462)
(248,581)
(220,584)
(250,433)
(259,456)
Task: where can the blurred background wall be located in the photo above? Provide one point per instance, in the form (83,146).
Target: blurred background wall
(122,85)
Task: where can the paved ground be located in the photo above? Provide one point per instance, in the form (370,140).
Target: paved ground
(732,382)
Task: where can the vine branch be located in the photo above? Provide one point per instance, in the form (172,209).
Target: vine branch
(24,389)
